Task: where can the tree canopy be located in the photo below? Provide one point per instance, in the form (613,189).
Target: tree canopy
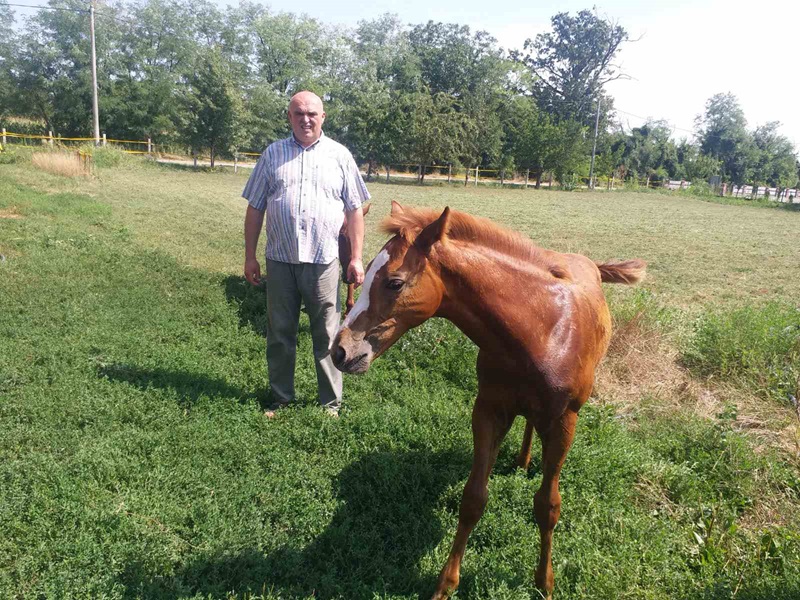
(218,79)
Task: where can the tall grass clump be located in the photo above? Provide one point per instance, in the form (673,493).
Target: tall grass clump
(757,346)
(105,157)
(60,163)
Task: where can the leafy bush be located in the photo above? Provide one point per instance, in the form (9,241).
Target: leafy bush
(758,345)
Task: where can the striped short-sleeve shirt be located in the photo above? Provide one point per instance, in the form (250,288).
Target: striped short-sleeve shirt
(305,192)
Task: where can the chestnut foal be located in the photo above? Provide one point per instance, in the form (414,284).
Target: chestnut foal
(344,259)
(538,317)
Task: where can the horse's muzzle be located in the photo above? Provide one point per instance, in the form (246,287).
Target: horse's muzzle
(350,355)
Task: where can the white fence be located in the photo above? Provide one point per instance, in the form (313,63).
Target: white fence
(777,194)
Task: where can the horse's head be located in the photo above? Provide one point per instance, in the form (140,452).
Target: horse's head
(402,289)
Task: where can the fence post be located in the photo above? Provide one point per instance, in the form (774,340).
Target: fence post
(149,146)
(449,171)
(4,136)
(476,176)
(235,162)
(104,139)
(50,138)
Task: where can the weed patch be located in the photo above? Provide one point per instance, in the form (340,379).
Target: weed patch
(759,346)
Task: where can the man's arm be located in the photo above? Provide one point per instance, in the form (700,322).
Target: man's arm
(253,221)
(355,233)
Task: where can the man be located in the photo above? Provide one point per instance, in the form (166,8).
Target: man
(304,184)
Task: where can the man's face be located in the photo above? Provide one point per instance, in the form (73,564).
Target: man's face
(306,117)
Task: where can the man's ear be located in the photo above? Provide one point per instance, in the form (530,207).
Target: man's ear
(397,208)
(435,232)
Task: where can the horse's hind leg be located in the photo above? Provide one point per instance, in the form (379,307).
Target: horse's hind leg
(489,427)
(556,441)
(524,456)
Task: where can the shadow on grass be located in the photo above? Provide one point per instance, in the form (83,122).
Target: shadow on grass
(187,385)
(251,304)
(250,301)
(385,524)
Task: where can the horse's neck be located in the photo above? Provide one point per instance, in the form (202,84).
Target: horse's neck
(479,284)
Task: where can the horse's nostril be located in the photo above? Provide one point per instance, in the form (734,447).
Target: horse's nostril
(339,355)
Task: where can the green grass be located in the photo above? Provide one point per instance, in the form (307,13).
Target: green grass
(758,346)
(135,461)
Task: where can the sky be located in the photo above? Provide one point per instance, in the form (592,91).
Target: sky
(686,52)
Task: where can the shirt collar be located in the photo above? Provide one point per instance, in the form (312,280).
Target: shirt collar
(294,139)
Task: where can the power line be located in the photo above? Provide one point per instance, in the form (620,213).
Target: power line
(78,10)
(649,118)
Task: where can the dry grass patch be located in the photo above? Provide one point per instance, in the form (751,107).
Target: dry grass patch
(9,213)
(61,163)
(643,365)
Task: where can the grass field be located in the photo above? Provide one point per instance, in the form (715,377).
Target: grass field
(135,460)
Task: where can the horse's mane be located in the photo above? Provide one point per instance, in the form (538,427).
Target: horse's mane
(462,226)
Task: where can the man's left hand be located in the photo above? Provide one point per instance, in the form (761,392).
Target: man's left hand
(355,272)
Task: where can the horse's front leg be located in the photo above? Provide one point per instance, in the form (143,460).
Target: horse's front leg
(489,427)
(556,441)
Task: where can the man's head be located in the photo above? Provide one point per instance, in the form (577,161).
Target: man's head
(306,116)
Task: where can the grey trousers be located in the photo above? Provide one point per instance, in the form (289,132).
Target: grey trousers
(318,288)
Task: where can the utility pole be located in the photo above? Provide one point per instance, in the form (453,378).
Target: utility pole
(594,145)
(95,110)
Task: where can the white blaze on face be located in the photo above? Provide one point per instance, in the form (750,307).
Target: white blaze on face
(362,303)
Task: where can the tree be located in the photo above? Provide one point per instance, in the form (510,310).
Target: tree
(383,53)
(213,109)
(723,136)
(375,125)
(694,164)
(573,62)
(649,152)
(438,133)
(534,137)
(7,61)
(776,160)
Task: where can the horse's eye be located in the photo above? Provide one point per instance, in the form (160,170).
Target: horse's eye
(395,284)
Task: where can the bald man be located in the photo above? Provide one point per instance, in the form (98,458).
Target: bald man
(304,185)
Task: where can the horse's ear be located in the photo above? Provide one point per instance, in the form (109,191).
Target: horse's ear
(397,209)
(365,209)
(435,232)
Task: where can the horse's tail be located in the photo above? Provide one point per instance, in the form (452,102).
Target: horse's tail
(625,271)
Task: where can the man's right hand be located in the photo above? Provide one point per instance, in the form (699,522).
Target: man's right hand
(252,271)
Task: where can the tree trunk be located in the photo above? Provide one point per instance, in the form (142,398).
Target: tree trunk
(550,183)
(502,177)
(387,173)
(369,170)
(466,177)
(212,157)
(527,177)
(421,174)
(539,180)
